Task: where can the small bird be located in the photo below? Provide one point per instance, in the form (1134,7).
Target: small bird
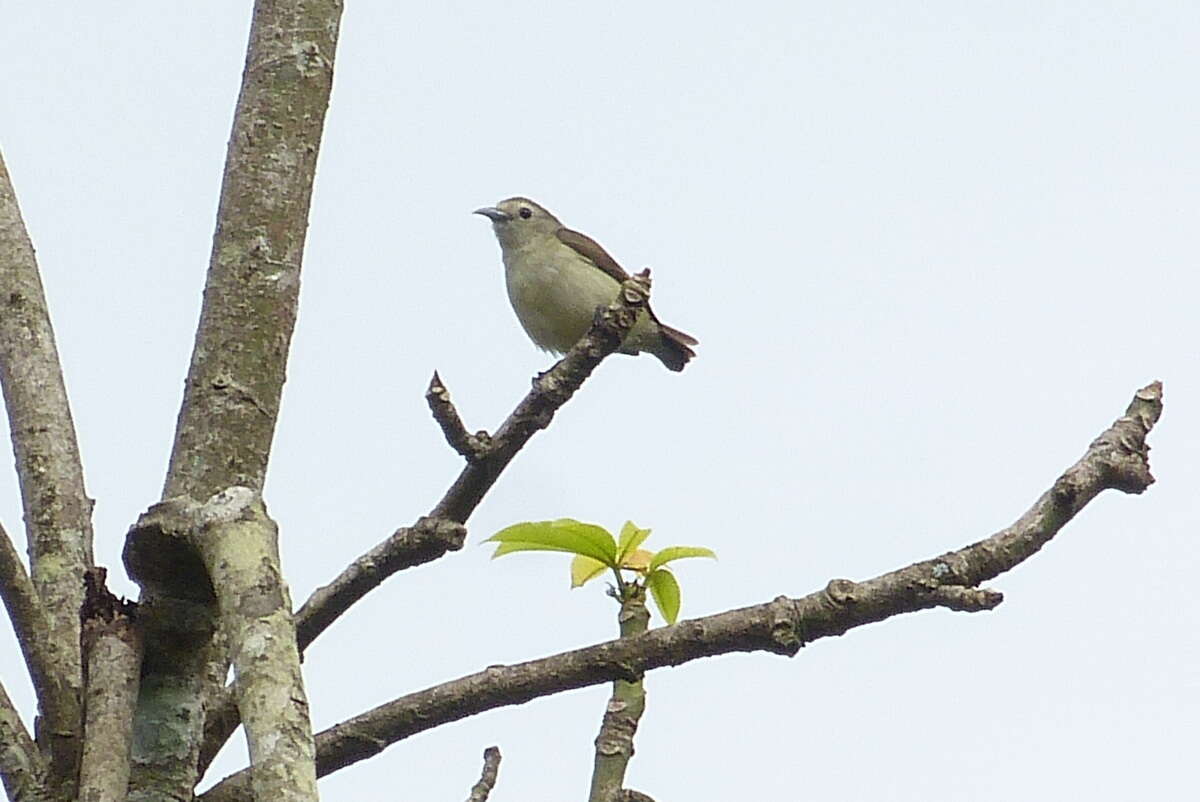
(557,277)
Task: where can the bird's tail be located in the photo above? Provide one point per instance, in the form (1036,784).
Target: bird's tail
(674,347)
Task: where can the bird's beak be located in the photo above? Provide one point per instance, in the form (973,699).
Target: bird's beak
(494,214)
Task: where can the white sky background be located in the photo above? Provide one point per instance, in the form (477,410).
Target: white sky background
(929,253)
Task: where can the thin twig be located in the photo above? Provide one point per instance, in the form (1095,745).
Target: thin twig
(472,446)
(487,779)
(29,621)
(1118,459)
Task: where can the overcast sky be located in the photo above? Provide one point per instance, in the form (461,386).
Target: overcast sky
(930,250)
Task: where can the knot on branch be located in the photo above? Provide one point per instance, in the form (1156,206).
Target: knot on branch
(610,326)
(444,533)
(966,600)
(635,290)
(787,627)
(842,592)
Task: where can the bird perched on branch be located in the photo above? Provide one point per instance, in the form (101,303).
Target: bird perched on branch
(557,277)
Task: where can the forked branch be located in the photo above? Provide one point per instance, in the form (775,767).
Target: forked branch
(1118,460)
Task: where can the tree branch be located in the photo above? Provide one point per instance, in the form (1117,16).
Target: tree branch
(112,652)
(425,541)
(231,398)
(1118,459)
(177,614)
(30,625)
(22,769)
(550,391)
(487,780)
(614,744)
(429,539)
(240,547)
(232,394)
(58,512)
(473,447)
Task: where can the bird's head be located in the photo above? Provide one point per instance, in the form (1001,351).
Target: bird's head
(517,221)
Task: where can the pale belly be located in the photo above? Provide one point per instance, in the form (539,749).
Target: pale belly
(556,301)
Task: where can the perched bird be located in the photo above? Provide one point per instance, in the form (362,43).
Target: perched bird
(557,277)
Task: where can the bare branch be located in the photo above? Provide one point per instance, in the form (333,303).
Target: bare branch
(177,614)
(550,391)
(21,767)
(472,446)
(614,744)
(441,529)
(425,541)
(231,399)
(58,512)
(112,650)
(232,394)
(30,625)
(240,547)
(487,780)
(1118,459)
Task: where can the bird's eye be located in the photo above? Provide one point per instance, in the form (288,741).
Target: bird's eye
(525,212)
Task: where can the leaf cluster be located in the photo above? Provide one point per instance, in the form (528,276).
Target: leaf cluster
(597,551)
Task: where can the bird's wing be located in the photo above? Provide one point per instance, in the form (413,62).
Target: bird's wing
(589,249)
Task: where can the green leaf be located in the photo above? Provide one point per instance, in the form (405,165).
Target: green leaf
(564,534)
(631,537)
(585,569)
(665,591)
(678,553)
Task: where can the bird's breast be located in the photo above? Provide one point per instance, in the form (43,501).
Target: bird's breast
(555,292)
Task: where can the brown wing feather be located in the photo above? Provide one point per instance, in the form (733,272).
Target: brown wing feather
(589,249)
(675,351)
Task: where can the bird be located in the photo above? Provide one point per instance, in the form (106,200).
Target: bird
(556,278)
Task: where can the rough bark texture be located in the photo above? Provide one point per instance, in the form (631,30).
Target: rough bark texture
(58,512)
(21,765)
(28,618)
(239,545)
(487,779)
(112,653)
(614,744)
(1118,459)
(231,399)
(177,613)
(232,393)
